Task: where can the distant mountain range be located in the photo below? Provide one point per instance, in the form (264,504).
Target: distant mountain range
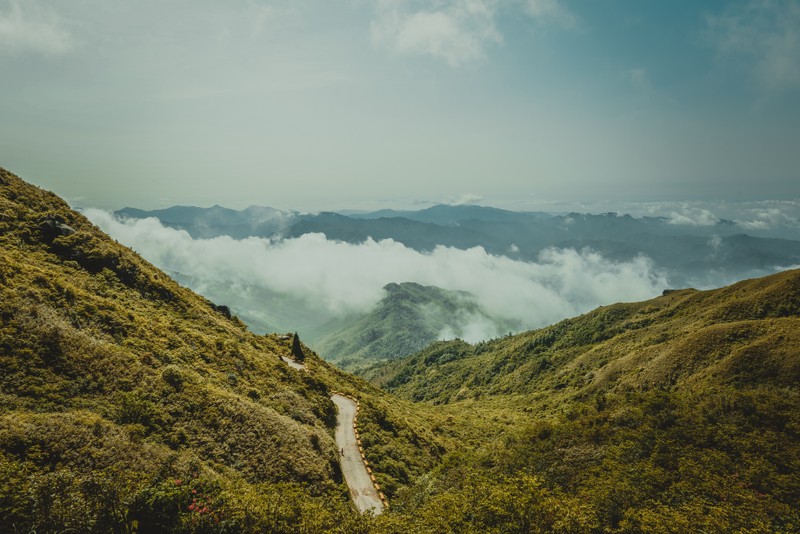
(216,220)
(410,315)
(704,256)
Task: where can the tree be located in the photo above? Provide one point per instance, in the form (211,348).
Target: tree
(297,350)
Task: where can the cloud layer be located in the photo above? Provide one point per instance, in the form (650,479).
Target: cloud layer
(765,37)
(343,278)
(456,31)
(26,27)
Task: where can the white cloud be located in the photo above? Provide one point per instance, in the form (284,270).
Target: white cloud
(715,243)
(471,327)
(457,31)
(768,218)
(341,277)
(766,35)
(26,27)
(467,198)
(693,217)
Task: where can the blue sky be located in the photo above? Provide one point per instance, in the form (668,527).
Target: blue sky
(330,104)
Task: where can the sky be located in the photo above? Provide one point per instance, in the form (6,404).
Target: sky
(335,104)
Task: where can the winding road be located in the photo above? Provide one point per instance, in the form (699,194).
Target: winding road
(362,488)
(355,473)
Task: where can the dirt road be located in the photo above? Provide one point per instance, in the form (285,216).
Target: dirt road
(361,488)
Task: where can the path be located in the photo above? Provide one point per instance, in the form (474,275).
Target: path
(355,473)
(294,364)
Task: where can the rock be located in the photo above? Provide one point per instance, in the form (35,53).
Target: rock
(224,310)
(52,228)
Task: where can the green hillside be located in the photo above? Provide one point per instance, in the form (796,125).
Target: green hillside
(682,337)
(672,415)
(406,320)
(128,402)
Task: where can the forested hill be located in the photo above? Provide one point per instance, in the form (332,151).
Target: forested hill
(128,402)
(406,320)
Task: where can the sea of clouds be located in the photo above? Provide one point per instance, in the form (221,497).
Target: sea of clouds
(342,278)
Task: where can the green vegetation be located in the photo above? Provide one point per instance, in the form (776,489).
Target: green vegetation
(677,414)
(130,404)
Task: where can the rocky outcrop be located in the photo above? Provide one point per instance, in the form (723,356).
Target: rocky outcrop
(53,227)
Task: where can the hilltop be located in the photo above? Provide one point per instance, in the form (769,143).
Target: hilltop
(409,318)
(684,335)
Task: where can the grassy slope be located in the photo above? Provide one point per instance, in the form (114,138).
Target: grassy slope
(117,383)
(684,337)
(673,414)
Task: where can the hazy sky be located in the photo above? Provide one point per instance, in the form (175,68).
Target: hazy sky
(313,104)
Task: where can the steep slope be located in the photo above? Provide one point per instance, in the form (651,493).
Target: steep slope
(672,415)
(406,320)
(130,403)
